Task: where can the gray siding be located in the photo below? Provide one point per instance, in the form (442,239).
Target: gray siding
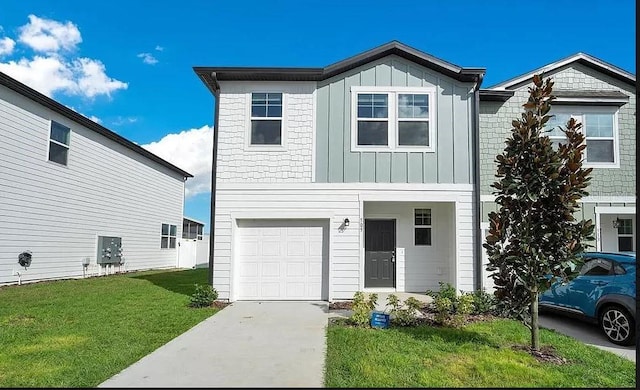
(450,162)
(496,117)
(57,211)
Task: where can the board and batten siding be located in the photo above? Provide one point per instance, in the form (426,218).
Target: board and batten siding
(450,162)
(58,211)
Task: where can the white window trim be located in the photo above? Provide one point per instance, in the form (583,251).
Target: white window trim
(632,235)
(50,140)
(393,119)
(169,236)
(577,112)
(248,146)
(423,227)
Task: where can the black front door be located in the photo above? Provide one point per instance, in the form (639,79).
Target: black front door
(379,253)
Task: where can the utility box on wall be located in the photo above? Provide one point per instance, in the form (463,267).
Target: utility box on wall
(109,250)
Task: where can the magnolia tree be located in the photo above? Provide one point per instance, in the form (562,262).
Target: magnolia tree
(534,237)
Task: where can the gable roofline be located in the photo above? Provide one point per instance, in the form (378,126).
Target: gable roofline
(581,58)
(53,105)
(210,75)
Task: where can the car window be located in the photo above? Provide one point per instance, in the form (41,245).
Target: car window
(596,267)
(618,269)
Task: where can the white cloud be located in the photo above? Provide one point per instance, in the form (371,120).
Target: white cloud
(159,48)
(57,70)
(6,46)
(46,35)
(122,120)
(81,76)
(148,58)
(191,150)
(93,80)
(94,118)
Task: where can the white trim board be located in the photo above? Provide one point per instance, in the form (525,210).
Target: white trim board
(413,187)
(586,199)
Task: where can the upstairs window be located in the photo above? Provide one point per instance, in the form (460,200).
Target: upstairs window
(600,129)
(373,119)
(266,119)
(413,119)
(390,119)
(59,138)
(168,238)
(422,227)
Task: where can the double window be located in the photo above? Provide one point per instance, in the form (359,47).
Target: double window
(266,118)
(600,128)
(59,139)
(422,227)
(387,119)
(168,238)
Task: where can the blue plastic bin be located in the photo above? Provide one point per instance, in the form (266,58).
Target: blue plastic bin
(379,320)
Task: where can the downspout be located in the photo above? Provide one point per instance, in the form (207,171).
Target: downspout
(476,183)
(212,223)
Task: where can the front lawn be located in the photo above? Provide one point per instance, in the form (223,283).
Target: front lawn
(78,333)
(478,355)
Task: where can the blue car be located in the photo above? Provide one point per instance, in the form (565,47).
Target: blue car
(604,293)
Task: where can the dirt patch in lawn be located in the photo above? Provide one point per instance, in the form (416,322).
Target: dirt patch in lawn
(546,354)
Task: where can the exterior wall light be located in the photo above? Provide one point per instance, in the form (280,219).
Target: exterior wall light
(346,222)
(616,223)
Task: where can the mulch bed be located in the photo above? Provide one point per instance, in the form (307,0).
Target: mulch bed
(220,304)
(340,305)
(546,354)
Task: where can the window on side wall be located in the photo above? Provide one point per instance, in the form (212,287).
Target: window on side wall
(59,140)
(600,128)
(422,227)
(266,119)
(168,237)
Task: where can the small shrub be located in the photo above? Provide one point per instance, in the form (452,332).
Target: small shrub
(362,308)
(451,309)
(483,302)
(203,296)
(443,307)
(446,291)
(403,314)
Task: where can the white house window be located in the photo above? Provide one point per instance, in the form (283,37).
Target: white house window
(422,227)
(625,235)
(600,128)
(413,119)
(553,126)
(168,239)
(373,119)
(266,118)
(392,118)
(59,143)
(600,138)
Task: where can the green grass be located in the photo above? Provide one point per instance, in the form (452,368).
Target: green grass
(478,355)
(78,333)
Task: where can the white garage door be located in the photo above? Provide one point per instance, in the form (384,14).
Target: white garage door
(281,259)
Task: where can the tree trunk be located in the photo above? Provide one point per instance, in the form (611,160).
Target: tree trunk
(535,337)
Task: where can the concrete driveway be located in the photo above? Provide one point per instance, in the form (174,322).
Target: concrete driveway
(587,333)
(247,344)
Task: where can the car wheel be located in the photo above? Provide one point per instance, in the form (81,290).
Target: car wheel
(617,325)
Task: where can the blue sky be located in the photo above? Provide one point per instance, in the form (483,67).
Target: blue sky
(128,64)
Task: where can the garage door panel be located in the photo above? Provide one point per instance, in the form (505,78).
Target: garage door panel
(281,259)
(270,269)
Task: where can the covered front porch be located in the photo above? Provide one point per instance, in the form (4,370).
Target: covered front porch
(615,229)
(410,246)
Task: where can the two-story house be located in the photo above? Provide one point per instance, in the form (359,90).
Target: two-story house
(78,198)
(602,97)
(368,174)
(356,176)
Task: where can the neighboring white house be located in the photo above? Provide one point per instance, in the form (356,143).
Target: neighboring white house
(356,176)
(77,197)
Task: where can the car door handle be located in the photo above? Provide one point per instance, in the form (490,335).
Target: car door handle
(600,283)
